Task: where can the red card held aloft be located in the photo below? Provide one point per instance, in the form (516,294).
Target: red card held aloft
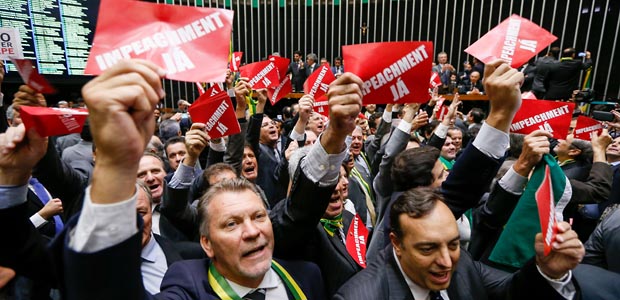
(218,114)
(546,207)
(51,121)
(551,116)
(399,74)
(180,39)
(281,64)
(435,81)
(515,40)
(235,61)
(321,105)
(318,82)
(30,75)
(262,74)
(586,127)
(279,92)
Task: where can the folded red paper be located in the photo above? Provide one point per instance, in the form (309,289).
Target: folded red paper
(51,121)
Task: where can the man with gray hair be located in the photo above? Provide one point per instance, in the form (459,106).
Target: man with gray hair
(311,60)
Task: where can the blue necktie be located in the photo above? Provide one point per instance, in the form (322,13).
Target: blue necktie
(435,295)
(41,192)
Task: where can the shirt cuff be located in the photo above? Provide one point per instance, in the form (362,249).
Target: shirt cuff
(104,225)
(404,126)
(296,136)
(491,141)
(183,177)
(387,116)
(441,131)
(512,182)
(219,147)
(321,167)
(37,220)
(564,286)
(11,196)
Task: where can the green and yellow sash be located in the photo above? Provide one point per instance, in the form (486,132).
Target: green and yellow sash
(225,292)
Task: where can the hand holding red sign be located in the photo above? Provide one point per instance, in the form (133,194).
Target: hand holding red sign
(30,75)
(218,115)
(177,38)
(566,252)
(550,116)
(515,41)
(586,127)
(502,83)
(318,82)
(399,75)
(49,121)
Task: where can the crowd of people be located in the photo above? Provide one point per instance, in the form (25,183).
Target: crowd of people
(371,202)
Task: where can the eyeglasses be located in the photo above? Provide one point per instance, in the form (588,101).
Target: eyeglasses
(269,123)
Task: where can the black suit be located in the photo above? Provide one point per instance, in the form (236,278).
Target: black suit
(471,280)
(299,76)
(563,78)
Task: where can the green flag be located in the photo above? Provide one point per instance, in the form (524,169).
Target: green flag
(515,245)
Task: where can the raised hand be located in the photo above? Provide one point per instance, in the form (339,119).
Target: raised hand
(566,252)
(121,102)
(502,83)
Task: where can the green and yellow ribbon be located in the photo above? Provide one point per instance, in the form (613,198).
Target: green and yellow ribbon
(225,292)
(331,225)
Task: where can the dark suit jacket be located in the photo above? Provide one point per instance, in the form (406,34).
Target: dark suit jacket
(462,190)
(271,171)
(188,279)
(603,246)
(299,76)
(471,280)
(48,230)
(563,78)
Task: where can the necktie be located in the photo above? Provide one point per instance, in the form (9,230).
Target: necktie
(41,192)
(258,294)
(435,295)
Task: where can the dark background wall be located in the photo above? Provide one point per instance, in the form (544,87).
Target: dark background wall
(322,27)
(262,27)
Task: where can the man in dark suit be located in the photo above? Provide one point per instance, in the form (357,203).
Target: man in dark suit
(425,261)
(237,234)
(543,65)
(297,69)
(563,78)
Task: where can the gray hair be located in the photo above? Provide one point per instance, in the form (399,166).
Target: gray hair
(312,56)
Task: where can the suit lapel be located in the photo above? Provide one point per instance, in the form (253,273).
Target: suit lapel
(341,246)
(397,286)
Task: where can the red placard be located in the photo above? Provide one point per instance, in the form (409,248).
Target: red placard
(209,93)
(318,82)
(177,38)
(235,61)
(279,92)
(551,116)
(321,105)
(546,209)
(30,75)
(399,74)
(585,127)
(515,40)
(51,121)
(357,237)
(281,64)
(218,114)
(435,81)
(262,74)
(201,89)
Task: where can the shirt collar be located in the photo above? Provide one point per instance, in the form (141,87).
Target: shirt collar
(270,281)
(148,251)
(417,291)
